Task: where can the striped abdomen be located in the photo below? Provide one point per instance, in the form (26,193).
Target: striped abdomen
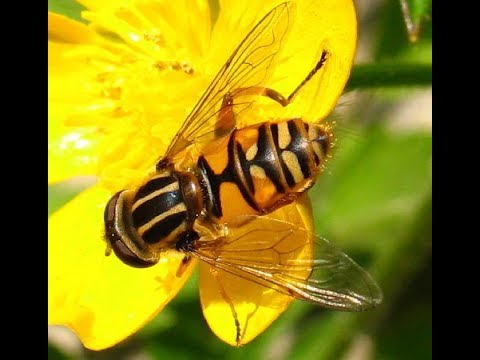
(263,167)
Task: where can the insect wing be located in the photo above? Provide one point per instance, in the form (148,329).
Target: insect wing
(248,66)
(293,261)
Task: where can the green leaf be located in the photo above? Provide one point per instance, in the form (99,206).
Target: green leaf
(59,194)
(414,13)
(409,337)
(375,180)
(389,75)
(55,354)
(324,337)
(407,331)
(419,9)
(69,8)
(393,44)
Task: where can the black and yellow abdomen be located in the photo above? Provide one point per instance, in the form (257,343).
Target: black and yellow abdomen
(262,167)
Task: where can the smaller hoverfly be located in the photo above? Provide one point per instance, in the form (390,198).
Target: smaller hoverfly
(213,193)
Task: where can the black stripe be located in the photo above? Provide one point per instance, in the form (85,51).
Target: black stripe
(210,185)
(229,174)
(153,185)
(316,158)
(245,168)
(164,227)
(324,140)
(265,158)
(286,171)
(298,145)
(155,206)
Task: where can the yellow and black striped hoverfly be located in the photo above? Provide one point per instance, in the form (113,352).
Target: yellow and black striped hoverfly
(211,194)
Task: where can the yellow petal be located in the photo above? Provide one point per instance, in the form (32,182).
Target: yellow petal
(179,29)
(113,108)
(98,4)
(63,29)
(98,297)
(315,25)
(223,294)
(70,152)
(235,20)
(319,25)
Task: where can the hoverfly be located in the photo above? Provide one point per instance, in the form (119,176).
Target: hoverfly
(211,193)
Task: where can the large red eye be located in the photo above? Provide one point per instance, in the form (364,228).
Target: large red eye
(112,215)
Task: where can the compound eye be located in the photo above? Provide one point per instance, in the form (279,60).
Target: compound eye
(116,237)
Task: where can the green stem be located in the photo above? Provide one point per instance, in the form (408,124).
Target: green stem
(389,75)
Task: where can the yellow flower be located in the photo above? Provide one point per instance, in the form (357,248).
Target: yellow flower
(119,89)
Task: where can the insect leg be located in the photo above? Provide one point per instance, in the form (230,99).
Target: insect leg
(275,95)
(108,250)
(183,265)
(226,116)
(317,67)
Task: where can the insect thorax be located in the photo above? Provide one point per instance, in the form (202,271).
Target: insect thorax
(140,224)
(165,207)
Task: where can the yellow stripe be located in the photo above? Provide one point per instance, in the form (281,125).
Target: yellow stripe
(168,188)
(176,209)
(312,132)
(284,136)
(251,152)
(161,175)
(317,150)
(257,172)
(293,165)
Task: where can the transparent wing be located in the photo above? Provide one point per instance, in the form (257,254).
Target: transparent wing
(291,260)
(248,66)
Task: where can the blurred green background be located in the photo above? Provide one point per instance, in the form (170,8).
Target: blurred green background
(374,202)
